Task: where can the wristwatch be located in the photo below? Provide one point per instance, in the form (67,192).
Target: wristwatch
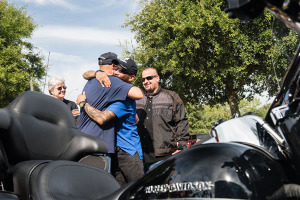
(82,104)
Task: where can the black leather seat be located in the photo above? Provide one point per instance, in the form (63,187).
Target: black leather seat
(64,180)
(42,127)
(36,126)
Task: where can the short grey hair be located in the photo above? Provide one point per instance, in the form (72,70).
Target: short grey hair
(54,81)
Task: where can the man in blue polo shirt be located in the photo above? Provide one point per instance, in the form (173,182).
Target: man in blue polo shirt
(101,97)
(128,163)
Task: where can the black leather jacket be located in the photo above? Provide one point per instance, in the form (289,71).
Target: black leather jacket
(163,126)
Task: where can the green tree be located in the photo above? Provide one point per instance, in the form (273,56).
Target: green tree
(254,106)
(205,56)
(201,118)
(19,63)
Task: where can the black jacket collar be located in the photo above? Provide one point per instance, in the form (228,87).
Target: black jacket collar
(153,94)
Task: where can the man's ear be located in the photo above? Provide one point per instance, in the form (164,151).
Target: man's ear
(158,77)
(132,77)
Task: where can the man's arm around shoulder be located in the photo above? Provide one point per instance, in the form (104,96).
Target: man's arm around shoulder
(89,74)
(135,93)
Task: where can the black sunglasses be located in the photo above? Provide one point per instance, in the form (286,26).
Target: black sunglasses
(122,70)
(149,78)
(60,88)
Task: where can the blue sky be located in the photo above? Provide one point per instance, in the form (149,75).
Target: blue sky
(76,32)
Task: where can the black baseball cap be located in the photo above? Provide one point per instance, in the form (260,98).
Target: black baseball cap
(108,58)
(129,65)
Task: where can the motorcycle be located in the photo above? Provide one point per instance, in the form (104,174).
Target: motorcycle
(263,164)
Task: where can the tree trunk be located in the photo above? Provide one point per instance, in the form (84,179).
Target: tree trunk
(233,103)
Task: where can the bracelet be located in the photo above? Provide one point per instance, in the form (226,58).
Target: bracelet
(82,104)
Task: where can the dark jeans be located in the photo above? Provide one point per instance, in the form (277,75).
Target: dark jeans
(126,167)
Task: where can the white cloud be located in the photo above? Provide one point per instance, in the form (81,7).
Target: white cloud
(79,5)
(82,34)
(71,68)
(60,3)
(116,3)
(69,59)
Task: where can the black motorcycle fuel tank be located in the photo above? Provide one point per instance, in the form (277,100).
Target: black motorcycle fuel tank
(223,170)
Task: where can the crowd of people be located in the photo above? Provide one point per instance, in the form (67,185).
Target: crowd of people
(140,128)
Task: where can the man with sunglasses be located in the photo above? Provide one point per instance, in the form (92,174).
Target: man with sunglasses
(163,125)
(100,98)
(127,163)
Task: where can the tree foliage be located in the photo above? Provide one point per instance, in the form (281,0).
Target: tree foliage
(205,56)
(18,61)
(201,118)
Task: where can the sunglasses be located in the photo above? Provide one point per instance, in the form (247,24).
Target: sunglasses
(122,70)
(60,88)
(148,78)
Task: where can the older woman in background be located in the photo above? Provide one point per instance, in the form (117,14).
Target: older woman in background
(57,88)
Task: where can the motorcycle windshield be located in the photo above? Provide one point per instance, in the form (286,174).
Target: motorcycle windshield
(238,129)
(249,129)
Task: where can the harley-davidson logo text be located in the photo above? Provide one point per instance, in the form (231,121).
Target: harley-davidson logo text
(177,187)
